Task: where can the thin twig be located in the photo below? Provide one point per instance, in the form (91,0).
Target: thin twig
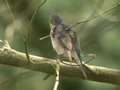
(47,76)
(44,37)
(35,13)
(92,18)
(90,57)
(8,6)
(57,75)
(26,51)
(36,10)
(85,21)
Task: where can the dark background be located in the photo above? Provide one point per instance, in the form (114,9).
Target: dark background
(100,36)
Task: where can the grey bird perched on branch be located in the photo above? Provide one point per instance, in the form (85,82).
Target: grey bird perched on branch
(64,40)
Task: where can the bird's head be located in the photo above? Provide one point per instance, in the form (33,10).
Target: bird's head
(55,19)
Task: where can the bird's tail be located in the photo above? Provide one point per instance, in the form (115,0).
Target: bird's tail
(79,62)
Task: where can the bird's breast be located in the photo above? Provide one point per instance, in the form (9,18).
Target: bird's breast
(56,45)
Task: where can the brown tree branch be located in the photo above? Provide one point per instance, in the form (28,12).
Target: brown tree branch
(15,58)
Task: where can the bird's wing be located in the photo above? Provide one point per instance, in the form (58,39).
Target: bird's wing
(75,42)
(63,38)
(76,49)
(65,42)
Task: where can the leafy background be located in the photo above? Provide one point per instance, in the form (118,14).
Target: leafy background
(100,36)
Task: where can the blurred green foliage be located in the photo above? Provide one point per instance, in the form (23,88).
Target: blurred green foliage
(100,36)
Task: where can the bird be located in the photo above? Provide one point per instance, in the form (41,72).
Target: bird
(65,41)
